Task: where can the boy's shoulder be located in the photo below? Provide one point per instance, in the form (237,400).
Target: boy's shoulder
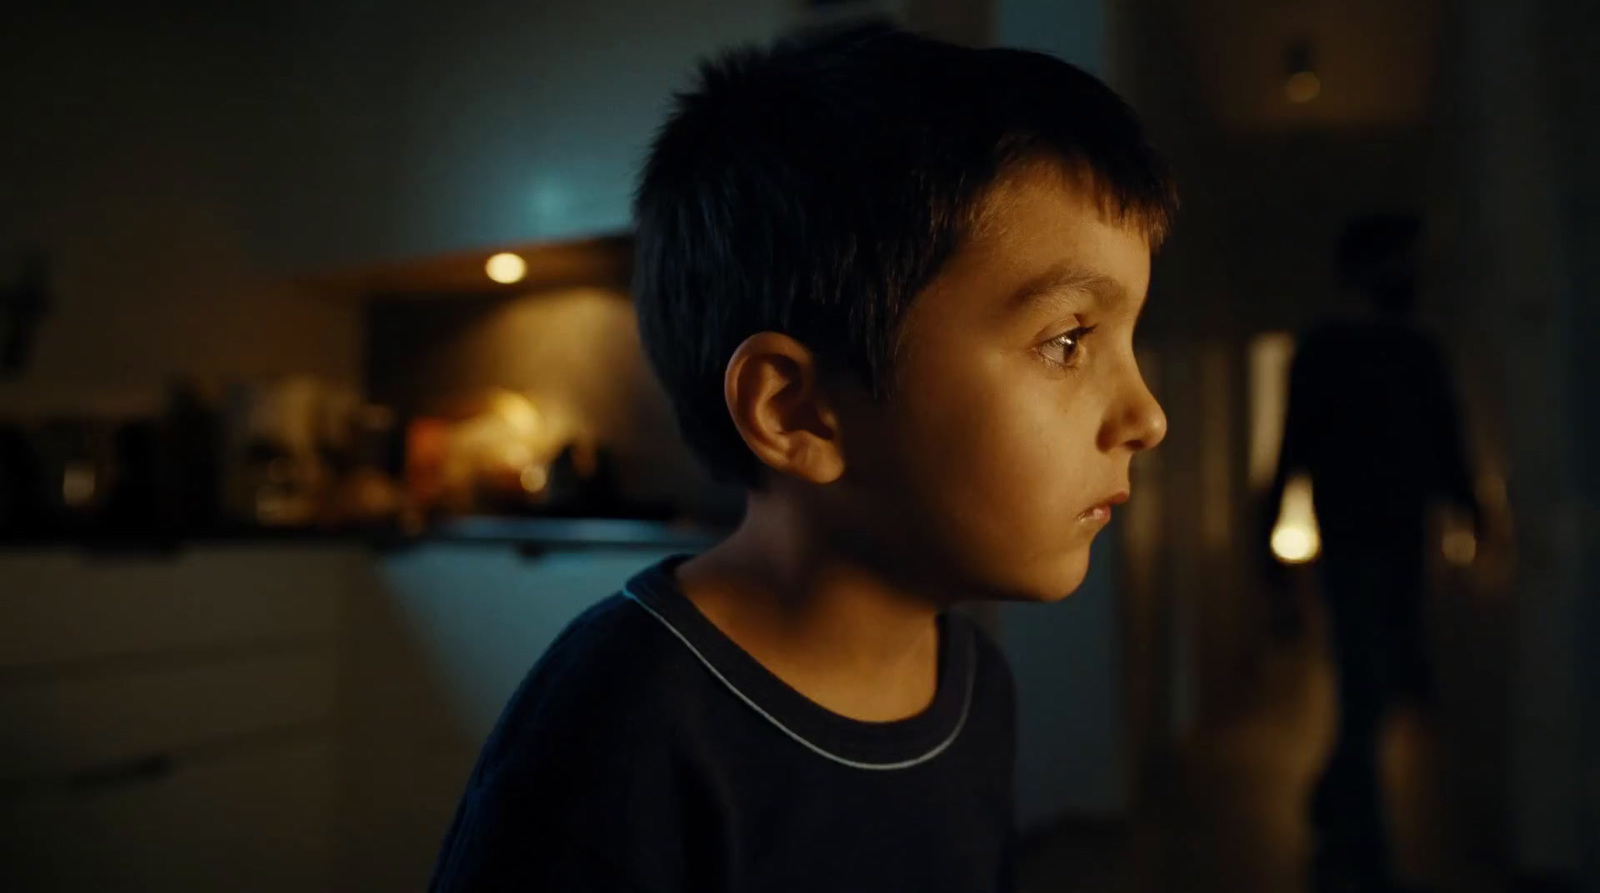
(585,779)
(610,670)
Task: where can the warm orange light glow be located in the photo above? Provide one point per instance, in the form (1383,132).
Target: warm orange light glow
(1295,538)
(1459,539)
(77,484)
(1303,87)
(516,455)
(1460,547)
(518,412)
(506,268)
(534,477)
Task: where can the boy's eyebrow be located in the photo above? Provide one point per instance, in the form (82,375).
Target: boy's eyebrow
(1068,276)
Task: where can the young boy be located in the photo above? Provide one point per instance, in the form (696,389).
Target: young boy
(890,285)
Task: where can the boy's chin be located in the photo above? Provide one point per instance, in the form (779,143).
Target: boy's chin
(1051,583)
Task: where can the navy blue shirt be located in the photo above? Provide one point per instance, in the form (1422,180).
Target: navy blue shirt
(647,752)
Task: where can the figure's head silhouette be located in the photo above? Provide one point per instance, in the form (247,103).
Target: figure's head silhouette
(1377,257)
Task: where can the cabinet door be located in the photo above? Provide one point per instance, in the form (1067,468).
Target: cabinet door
(168,723)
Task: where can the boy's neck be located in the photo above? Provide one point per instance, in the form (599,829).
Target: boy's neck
(832,628)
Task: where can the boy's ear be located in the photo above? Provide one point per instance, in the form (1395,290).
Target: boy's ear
(774,391)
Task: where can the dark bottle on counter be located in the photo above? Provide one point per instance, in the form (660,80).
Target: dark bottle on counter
(193,436)
(364,494)
(139,502)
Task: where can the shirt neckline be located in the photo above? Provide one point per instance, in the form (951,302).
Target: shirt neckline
(860,744)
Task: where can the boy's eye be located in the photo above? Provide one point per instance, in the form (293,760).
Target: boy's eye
(1063,348)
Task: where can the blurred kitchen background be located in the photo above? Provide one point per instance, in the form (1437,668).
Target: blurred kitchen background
(322,411)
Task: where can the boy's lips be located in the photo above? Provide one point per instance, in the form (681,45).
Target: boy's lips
(1101,511)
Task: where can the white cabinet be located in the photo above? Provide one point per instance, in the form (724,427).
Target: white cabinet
(170,723)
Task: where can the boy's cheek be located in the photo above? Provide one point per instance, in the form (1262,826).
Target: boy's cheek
(997,441)
(1022,483)
(994,506)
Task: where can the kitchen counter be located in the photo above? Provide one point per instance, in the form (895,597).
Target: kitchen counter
(528,533)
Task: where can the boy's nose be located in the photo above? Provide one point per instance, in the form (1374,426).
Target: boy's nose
(1151,425)
(1138,421)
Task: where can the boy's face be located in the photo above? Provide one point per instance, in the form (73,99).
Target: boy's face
(1018,403)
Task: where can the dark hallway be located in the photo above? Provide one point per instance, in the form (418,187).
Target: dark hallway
(1231,814)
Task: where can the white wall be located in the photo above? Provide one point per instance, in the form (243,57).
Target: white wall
(180,163)
(1071,740)
(1074,30)
(133,148)
(1569,28)
(1524,193)
(1509,170)
(432,127)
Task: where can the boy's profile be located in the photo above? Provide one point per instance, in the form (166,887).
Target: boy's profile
(890,285)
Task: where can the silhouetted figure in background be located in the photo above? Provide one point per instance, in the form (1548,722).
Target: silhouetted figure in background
(1372,419)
